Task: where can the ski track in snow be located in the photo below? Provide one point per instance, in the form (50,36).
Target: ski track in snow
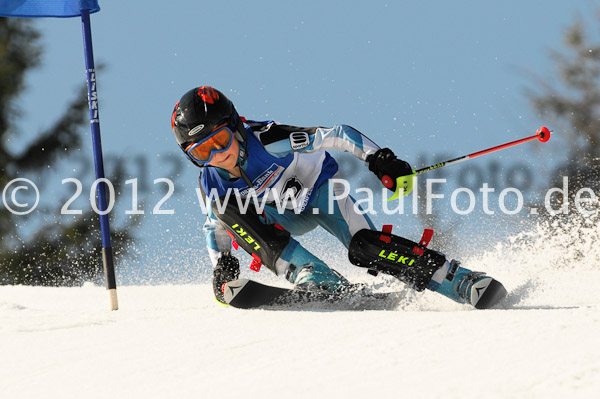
(176,341)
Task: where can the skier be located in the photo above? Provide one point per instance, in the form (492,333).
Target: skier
(272,160)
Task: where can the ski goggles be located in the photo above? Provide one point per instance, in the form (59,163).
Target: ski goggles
(218,141)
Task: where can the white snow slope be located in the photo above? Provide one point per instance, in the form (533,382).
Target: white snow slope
(175,341)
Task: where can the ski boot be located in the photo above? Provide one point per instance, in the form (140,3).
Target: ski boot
(309,273)
(466,286)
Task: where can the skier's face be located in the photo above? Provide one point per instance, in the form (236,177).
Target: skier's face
(227,159)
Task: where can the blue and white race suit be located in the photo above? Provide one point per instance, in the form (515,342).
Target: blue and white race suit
(280,158)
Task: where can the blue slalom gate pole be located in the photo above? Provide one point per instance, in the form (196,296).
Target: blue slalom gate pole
(69,9)
(107,255)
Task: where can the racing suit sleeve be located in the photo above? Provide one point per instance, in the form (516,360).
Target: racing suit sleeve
(217,240)
(281,140)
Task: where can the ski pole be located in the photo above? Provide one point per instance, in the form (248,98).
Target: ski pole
(542,134)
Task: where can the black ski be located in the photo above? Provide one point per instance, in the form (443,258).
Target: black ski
(491,295)
(250,294)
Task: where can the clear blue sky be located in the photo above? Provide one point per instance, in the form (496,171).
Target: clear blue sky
(424,78)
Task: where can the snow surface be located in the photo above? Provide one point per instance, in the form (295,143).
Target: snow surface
(175,341)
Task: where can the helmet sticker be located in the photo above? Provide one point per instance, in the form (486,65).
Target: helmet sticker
(208,94)
(195,130)
(174,115)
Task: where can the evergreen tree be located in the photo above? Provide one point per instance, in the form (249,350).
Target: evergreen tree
(57,253)
(573,105)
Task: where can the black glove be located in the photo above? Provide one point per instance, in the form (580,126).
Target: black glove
(384,163)
(226,270)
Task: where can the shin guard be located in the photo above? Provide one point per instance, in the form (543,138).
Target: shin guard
(407,260)
(264,242)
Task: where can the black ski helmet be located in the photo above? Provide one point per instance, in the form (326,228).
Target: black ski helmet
(199,112)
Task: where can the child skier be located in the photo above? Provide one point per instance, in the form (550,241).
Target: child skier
(271,161)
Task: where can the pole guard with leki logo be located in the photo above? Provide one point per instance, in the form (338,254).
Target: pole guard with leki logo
(264,242)
(382,251)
